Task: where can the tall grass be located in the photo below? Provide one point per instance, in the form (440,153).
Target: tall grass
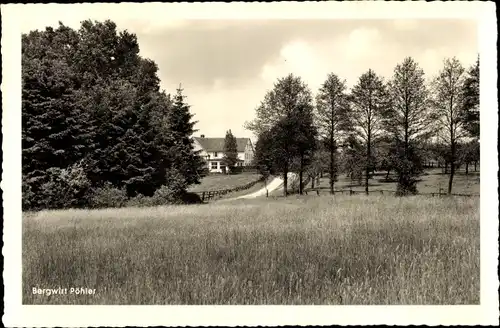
(317,250)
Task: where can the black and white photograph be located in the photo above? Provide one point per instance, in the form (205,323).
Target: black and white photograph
(182,156)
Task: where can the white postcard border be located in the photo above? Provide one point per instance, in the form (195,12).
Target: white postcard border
(70,316)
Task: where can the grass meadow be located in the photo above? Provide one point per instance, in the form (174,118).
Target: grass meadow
(432,181)
(299,250)
(223,181)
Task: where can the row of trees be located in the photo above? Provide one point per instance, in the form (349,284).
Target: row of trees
(93,117)
(395,125)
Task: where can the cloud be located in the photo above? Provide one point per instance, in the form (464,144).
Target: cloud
(297,57)
(361,42)
(347,55)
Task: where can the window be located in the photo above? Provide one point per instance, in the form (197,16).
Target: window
(214,165)
(215,154)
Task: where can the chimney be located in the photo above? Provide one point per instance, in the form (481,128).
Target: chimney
(202,136)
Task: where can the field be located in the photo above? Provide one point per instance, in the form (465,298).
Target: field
(307,250)
(432,181)
(222,181)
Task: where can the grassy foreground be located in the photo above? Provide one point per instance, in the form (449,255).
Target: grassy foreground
(309,250)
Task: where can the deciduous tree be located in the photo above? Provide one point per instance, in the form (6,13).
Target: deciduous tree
(447,96)
(408,120)
(369,100)
(333,119)
(285,112)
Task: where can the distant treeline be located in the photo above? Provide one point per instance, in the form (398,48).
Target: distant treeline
(394,125)
(95,122)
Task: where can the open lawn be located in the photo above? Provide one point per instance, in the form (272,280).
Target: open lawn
(223,181)
(431,182)
(300,250)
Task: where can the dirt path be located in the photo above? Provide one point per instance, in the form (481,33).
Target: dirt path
(275,184)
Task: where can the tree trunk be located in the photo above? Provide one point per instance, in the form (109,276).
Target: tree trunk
(312,182)
(332,163)
(466,168)
(285,182)
(367,170)
(446,167)
(301,175)
(452,169)
(387,175)
(475,166)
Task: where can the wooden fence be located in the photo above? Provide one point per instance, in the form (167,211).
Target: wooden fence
(380,192)
(215,194)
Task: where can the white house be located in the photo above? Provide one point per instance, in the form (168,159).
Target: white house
(212,149)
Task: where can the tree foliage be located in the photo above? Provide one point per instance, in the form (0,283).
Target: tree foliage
(288,93)
(470,101)
(353,159)
(92,110)
(230,150)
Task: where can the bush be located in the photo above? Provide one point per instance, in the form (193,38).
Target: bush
(250,169)
(109,196)
(191,198)
(166,195)
(236,170)
(57,188)
(139,201)
(407,188)
(27,196)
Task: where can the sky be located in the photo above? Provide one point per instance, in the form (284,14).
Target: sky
(226,66)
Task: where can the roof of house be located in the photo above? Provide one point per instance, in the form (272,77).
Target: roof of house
(217,144)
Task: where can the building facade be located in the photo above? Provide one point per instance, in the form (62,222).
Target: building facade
(212,150)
